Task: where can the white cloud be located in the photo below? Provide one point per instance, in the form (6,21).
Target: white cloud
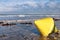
(33,4)
(30,3)
(7,9)
(8,6)
(52,4)
(11,6)
(42,4)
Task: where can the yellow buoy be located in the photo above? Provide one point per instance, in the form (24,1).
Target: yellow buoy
(55,30)
(45,25)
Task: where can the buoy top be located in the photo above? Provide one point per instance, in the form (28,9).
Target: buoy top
(45,25)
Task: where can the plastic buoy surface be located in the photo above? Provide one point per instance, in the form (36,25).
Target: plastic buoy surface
(45,25)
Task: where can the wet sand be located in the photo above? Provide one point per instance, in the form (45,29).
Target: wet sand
(16,33)
(22,32)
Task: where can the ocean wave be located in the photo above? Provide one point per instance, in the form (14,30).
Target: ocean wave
(7,15)
(21,15)
(27,15)
(14,15)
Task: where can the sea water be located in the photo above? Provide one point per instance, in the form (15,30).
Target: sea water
(22,31)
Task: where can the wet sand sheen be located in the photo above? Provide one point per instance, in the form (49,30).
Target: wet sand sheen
(16,33)
(21,32)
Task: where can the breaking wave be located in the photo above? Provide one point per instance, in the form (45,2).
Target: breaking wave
(28,15)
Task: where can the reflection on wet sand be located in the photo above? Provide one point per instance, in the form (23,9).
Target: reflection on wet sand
(22,32)
(45,38)
(53,36)
(49,38)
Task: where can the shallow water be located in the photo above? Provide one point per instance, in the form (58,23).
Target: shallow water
(23,31)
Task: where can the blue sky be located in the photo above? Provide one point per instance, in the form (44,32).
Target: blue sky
(29,6)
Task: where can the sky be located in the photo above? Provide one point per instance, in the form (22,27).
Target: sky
(29,6)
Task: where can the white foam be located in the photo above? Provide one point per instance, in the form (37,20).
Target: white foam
(25,15)
(7,15)
(21,15)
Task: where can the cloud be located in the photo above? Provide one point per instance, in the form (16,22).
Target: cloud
(8,6)
(42,4)
(33,4)
(16,5)
(52,4)
(12,6)
(7,9)
(28,5)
